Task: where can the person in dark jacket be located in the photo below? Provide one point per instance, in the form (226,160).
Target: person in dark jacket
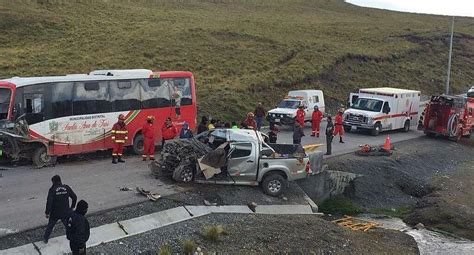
(298,133)
(202,127)
(185,132)
(78,229)
(329,135)
(57,204)
(273,134)
(259,115)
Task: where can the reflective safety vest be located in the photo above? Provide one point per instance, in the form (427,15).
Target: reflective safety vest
(119,133)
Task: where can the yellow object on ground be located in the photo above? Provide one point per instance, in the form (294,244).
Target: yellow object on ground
(356,224)
(312,147)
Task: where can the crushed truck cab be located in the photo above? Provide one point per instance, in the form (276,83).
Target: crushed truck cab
(233,156)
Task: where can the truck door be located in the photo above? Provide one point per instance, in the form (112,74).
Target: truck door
(352,98)
(242,164)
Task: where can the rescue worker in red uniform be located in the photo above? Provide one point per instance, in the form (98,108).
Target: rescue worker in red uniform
(249,122)
(148,132)
(300,115)
(119,137)
(168,131)
(338,128)
(316,121)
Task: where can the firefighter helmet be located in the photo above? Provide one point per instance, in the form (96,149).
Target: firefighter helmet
(121,117)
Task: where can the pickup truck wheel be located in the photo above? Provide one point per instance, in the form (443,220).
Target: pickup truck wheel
(377,129)
(273,184)
(347,129)
(41,158)
(183,173)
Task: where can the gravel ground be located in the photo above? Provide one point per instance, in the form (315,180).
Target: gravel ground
(405,177)
(195,195)
(265,234)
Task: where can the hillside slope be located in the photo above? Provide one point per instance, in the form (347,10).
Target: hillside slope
(241,51)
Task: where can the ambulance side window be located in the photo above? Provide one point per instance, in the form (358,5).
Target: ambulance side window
(315,99)
(386,108)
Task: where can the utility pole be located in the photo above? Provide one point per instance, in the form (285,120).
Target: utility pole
(449,57)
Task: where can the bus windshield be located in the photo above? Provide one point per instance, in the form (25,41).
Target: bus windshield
(291,104)
(5,95)
(367,104)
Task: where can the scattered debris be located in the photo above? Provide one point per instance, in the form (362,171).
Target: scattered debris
(356,223)
(370,150)
(125,189)
(252,206)
(151,196)
(207,203)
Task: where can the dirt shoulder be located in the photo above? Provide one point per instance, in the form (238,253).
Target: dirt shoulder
(433,177)
(265,234)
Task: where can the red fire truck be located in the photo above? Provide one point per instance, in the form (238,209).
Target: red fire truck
(448,116)
(45,117)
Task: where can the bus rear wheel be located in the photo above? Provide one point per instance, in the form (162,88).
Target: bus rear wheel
(138,144)
(41,158)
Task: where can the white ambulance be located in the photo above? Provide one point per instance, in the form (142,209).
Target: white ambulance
(285,111)
(381,109)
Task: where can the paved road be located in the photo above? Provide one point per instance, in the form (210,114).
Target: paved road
(23,189)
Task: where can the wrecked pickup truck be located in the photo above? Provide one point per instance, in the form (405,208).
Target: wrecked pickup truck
(233,156)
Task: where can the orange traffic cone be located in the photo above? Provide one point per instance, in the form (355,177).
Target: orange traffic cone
(387,146)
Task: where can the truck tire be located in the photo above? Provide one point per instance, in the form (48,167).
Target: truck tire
(184,173)
(274,184)
(137,145)
(347,129)
(406,126)
(377,128)
(41,158)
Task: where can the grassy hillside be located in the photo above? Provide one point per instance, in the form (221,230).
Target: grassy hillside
(241,51)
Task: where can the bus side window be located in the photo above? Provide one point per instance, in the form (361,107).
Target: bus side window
(91,97)
(61,99)
(125,95)
(37,103)
(154,94)
(184,85)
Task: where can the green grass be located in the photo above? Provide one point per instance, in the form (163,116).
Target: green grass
(241,51)
(340,205)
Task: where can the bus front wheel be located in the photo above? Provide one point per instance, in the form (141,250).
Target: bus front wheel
(41,158)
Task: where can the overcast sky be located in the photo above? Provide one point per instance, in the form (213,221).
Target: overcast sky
(443,7)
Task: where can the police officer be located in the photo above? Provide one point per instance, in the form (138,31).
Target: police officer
(329,134)
(78,229)
(57,204)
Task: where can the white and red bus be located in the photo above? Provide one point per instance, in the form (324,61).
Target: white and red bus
(45,117)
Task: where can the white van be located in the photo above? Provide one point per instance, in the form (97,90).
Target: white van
(380,109)
(285,112)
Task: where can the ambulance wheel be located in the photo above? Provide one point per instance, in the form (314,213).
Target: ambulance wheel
(138,144)
(406,126)
(41,157)
(347,129)
(377,129)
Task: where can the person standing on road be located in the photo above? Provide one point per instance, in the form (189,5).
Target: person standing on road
(185,133)
(329,134)
(57,204)
(202,127)
(338,128)
(119,137)
(259,115)
(316,121)
(273,134)
(300,115)
(78,229)
(250,121)
(298,133)
(168,131)
(148,132)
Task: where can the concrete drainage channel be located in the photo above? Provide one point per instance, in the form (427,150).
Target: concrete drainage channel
(118,230)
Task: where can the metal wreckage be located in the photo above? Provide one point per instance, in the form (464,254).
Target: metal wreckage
(236,157)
